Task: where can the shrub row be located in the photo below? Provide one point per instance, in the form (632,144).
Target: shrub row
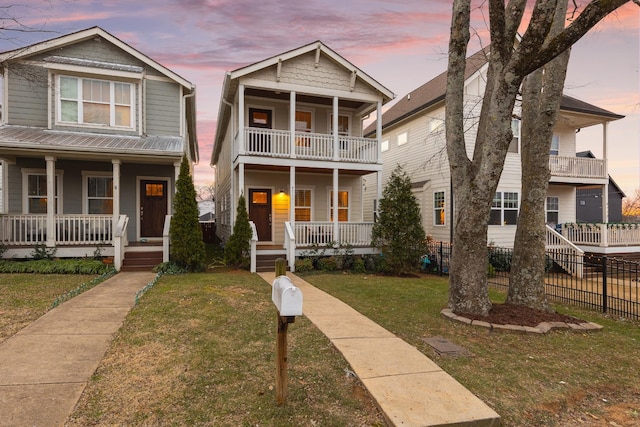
(62,266)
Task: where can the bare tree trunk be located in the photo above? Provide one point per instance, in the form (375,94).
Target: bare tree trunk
(541,95)
(475,180)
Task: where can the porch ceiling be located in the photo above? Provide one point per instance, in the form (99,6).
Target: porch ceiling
(302,98)
(301,169)
(27,141)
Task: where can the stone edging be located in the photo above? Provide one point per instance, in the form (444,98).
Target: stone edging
(542,328)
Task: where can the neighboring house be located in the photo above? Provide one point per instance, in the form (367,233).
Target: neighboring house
(206,207)
(413,136)
(92,137)
(589,199)
(289,137)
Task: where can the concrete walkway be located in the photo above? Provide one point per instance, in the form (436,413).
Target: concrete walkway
(45,367)
(408,387)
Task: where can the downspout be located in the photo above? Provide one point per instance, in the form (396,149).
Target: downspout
(232,187)
(185,127)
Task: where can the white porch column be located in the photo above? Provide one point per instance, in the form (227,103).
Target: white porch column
(176,174)
(292,125)
(116,191)
(379,130)
(292,195)
(336,228)
(51,201)
(378,191)
(241,179)
(605,190)
(336,143)
(241,124)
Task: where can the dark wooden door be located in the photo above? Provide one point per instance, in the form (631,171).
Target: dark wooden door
(153,207)
(260,212)
(260,118)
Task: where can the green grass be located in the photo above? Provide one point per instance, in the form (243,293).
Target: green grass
(526,378)
(25,297)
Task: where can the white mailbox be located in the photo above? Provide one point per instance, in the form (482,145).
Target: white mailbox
(287,297)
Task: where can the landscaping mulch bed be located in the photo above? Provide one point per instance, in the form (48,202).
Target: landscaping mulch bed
(510,314)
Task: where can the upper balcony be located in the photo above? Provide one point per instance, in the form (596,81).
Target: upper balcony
(576,169)
(305,145)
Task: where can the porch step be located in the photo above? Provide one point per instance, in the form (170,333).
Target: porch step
(267,262)
(141,261)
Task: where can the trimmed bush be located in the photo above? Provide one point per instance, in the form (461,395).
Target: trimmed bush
(236,251)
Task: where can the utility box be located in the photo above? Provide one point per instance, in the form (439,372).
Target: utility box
(286,296)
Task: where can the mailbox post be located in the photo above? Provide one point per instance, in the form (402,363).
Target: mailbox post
(288,301)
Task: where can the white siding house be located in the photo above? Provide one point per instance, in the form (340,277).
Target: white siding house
(413,135)
(290,139)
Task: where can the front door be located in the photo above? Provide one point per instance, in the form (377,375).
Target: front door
(260,212)
(153,207)
(260,142)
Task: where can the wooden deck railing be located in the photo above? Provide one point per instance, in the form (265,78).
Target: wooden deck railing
(564,253)
(603,235)
(318,233)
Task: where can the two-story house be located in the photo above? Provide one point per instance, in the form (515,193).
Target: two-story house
(92,135)
(290,139)
(413,136)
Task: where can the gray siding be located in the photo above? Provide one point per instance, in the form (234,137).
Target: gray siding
(589,205)
(162,108)
(27,96)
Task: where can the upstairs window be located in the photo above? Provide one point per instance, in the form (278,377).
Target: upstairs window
(384,145)
(514,146)
(95,102)
(402,139)
(555,146)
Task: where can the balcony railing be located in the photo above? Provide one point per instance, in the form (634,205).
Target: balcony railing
(603,235)
(308,234)
(313,146)
(577,167)
(31,230)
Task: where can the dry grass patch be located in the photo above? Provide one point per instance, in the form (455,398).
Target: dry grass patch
(199,349)
(25,297)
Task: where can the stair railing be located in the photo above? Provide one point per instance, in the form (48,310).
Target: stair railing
(564,253)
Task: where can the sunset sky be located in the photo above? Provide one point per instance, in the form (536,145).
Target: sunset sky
(400,43)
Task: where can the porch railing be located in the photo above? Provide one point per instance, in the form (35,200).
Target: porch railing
(308,234)
(29,230)
(577,167)
(563,252)
(602,235)
(314,146)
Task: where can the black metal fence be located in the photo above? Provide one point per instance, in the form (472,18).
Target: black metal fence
(596,282)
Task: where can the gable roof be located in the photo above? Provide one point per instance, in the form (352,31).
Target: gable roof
(52,45)
(229,85)
(433,92)
(86,34)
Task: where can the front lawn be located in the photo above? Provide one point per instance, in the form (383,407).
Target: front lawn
(25,297)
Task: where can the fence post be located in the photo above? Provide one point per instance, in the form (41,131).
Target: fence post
(604,283)
(440,260)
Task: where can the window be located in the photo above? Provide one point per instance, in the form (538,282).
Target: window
(515,141)
(303,124)
(402,138)
(504,209)
(552,210)
(343,125)
(436,125)
(95,102)
(555,145)
(343,129)
(438,208)
(303,205)
(35,184)
(384,145)
(343,206)
(99,194)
